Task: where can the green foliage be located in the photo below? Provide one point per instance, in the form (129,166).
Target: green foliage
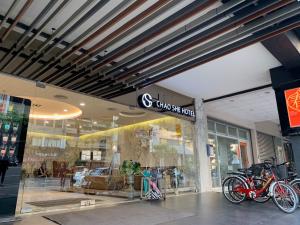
(130,168)
(12,116)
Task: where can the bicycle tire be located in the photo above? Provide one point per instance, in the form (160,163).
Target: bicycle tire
(293,198)
(296,186)
(231,196)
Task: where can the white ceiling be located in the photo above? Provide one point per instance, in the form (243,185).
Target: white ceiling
(241,70)
(238,71)
(252,107)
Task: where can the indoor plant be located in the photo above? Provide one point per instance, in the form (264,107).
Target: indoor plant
(130,168)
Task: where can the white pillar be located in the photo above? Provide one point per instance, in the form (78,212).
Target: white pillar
(255,149)
(203,180)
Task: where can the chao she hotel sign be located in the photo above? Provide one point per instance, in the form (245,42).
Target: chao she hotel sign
(147,101)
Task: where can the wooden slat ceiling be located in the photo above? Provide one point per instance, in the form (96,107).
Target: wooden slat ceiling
(110,48)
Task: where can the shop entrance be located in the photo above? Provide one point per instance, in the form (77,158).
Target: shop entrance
(79,150)
(230,146)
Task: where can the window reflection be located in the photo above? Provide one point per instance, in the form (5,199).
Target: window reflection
(84,156)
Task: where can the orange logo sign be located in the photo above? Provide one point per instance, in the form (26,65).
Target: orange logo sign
(292,98)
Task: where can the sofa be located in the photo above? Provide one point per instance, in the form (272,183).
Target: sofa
(105,182)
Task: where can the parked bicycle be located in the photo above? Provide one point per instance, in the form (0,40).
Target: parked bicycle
(287,173)
(260,183)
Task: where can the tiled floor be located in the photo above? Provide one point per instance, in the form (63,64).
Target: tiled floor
(193,209)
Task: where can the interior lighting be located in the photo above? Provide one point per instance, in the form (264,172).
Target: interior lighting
(56,116)
(127,127)
(82,104)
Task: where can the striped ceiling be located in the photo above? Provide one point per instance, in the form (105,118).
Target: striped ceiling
(109,48)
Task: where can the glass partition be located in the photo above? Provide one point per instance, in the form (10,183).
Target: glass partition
(76,146)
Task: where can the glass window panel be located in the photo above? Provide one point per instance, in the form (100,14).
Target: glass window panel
(232,131)
(211,126)
(221,128)
(243,134)
(214,161)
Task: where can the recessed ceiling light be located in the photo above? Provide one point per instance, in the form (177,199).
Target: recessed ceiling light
(65,110)
(80,126)
(82,104)
(60,97)
(95,122)
(68,125)
(46,122)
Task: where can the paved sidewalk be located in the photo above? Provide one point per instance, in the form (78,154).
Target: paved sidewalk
(193,209)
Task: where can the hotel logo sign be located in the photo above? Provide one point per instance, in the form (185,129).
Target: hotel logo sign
(146,101)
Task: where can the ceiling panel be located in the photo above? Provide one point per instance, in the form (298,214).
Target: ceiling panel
(238,71)
(254,106)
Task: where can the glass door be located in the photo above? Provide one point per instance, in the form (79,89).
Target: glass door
(214,161)
(229,155)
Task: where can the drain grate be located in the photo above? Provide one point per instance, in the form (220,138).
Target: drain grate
(59,202)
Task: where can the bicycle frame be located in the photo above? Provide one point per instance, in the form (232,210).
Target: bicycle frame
(252,192)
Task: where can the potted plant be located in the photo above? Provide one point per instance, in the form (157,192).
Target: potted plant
(130,168)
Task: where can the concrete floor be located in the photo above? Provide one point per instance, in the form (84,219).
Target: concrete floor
(192,209)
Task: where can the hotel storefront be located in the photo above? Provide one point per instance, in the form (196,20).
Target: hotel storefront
(76,144)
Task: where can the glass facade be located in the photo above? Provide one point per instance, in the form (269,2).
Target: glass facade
(230,147)
(69,161)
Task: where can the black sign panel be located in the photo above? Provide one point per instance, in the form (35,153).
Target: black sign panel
(14,116)
(146,101)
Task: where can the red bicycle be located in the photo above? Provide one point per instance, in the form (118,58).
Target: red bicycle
(238,187)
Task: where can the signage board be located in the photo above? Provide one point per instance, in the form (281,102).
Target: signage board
(88,202)
(292,99)
(14,116)
(147,101)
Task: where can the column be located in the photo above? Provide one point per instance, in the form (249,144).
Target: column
(255,149)
(203,179)
(295,140)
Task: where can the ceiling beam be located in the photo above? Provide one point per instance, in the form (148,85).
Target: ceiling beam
(237,93)
(89,39)
(184,31)
(260,36)
(24,66)
(94,50)
(17,19)
(235,35)
(175,19)
(250,28)
(206,35)
(285,48)
(11,8)
(37,20)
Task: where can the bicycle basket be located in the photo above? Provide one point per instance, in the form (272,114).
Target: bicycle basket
(282,172)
